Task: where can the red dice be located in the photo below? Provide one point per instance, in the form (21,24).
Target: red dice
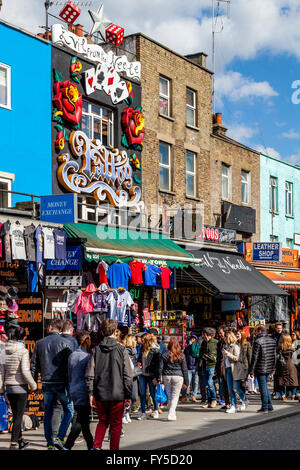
(114,34)
(70,12)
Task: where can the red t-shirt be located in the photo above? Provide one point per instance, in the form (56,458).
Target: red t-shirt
(102,270)
(136,268)
(165,277)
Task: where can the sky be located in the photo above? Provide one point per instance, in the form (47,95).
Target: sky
(257,56)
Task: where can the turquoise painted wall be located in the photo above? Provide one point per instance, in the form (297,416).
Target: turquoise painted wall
(283,226)
(25,130)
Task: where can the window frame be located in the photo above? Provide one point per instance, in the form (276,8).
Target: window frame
(229,181)
(248,187)
(110,122)
(289,193)
(9,183)
(274,239)
(273,208)
(7,68)
(165,97)
(163,165)
(191,173)
(190,107)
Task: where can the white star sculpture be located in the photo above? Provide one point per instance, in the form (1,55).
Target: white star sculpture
(100,22)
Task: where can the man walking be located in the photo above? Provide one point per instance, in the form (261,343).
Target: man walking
(208,354)
(277,336)
(109,379)
(50,359)
(67,333)
(191,353)
(262,364)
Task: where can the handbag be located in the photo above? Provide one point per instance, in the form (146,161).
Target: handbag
(280,359)
(137,371)
(160,395)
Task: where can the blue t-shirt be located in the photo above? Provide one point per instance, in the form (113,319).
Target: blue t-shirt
(150,274)
(119,275)
(39,245)
(60,238)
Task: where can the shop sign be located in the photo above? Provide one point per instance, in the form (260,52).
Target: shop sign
(30,317)
(11,271)
(217,235)
(266,252)
(72,262)
(94,52)
(289,258)
(60,209)
(239,218)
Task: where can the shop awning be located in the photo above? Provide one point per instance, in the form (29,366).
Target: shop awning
(284,279)
(110,244)
(231,274)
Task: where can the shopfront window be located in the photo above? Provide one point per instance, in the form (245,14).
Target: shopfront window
(97,123)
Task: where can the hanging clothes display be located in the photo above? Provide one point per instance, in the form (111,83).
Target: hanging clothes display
(49,243)
(92,320)
(29,235)
(136,268)
(1,242)
(118,275)
(17,241)
(150,274)
(84,304)
(119,302)
(71,297)
(60,238)
(101,270)
(165,277)
(6,238)
(39,245)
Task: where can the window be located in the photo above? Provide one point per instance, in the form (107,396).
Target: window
(273,238)
(164,96)
(226,181)
(273,194)
(164,166)
(246,187)
(288,198)
(190,165)
(97,123)
(290,243)
(191,107)
(6,180)
(5,86)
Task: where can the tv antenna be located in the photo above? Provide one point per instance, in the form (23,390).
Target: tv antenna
(214,23)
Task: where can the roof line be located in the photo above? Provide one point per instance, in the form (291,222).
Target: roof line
(235,142)
(280,161)
(22,30)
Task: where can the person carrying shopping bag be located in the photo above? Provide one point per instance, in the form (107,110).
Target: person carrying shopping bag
(149,361)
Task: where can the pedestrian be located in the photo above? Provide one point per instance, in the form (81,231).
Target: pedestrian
(296,353)
(208,353)
(50,359)
(137,405)
(191,353)
(149,361)
(199,367)
(263,364)
(246,353)
(277,335)
(173,373)
(130,344)
(77,363)
(15,379)
(67,333)
(286,371)
(234,371)
(220,369)
(109,379)
(157,340)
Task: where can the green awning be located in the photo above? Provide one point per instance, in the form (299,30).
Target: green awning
(110,244)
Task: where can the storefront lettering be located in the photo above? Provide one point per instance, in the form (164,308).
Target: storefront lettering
(30,316)
(224,264)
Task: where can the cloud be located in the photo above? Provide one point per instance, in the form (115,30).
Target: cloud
(291,134)
(240,132)
(269,151)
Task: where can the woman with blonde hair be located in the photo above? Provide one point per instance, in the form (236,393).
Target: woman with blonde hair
(149,361)
(286,372)
(234,370)
(130,344)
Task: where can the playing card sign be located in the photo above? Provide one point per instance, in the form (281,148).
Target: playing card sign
(108,80)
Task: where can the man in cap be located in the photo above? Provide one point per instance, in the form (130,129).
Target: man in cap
(191,354)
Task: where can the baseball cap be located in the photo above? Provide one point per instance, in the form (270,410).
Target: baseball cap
(142,333)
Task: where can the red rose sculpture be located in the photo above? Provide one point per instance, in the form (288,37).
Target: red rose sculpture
(68,101)
(133,125)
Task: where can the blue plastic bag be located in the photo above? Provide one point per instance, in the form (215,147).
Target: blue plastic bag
(3,414)
(160,395)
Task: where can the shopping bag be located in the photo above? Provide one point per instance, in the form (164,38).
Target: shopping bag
(3,414)
(160,395)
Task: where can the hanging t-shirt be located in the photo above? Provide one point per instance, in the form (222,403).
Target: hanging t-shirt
(119,275)
(136,268)
(102,271)
(165,277)
(60,238)
(119,303)
(151,273)
(39,245)
(1,242)
(29,235)
(49,245)
(17,241)
(5,233)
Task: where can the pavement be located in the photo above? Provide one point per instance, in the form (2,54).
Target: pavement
(194,424)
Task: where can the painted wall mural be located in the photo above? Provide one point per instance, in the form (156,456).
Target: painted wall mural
(108,80)
(67,101)
(133,125)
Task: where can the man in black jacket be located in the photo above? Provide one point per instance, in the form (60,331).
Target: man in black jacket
(278,336)
(50,359)
(109,379)
(263,364)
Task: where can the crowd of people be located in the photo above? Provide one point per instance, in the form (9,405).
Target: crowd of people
(118,377)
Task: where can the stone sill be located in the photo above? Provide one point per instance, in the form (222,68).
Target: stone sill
(165,191)
(169,118)
(192,127)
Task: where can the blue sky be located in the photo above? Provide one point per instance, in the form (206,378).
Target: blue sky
(257,56)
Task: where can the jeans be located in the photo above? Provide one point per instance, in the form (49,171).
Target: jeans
(81,422)
(193,383)
(17,403)
(144,381)
(173,384)
(202,384)
(110,413)
(282,390)
(209,383)
(61,393)
(266,400)
(232,386)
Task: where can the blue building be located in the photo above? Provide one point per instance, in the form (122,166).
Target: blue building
(279,202)
(25,112)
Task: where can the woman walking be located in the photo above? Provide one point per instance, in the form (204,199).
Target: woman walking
(235,372)
(173,373)
(130,344)
(296,353)
(149,361)
(15,380)
(246,351)
(286,372)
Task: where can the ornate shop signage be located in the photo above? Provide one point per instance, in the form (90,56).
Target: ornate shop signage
(105,173)
(94,52)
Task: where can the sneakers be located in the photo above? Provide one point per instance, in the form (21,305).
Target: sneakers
(194,399)
(293,397)
(59,444)
(122,433)
(232,409)
(183,399)
(23,444)
(244,405)
(13,447)
(160,410)
(262,411)
(51,448)
(124,420)
(222,402)
(155,415)
(128,418)
(172,418)
(213,404)
(277,396)
(143,416)
(206,405)
(284,398)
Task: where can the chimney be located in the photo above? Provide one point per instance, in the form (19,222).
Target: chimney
(218,127)
(198,59)
(79,30)
(71,28)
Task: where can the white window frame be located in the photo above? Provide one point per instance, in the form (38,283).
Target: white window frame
(273,202)
(165,97)
(273,238)
(289,211)
(7,69)
(192,107)
(7,178)
(110,139)
(290,243)
(165,166)
(192,174)
(247,182)
(229,178)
